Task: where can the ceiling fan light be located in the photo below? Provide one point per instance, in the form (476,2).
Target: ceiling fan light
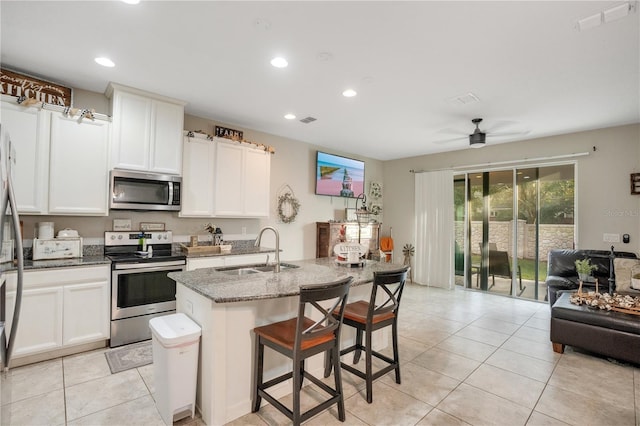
(476,144)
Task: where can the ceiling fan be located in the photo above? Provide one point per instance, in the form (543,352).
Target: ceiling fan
(478,138)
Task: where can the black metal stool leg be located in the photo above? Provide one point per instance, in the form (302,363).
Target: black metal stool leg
(369,378)
(356,353)
(396,357)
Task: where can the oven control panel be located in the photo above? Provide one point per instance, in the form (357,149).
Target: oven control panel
(132,238)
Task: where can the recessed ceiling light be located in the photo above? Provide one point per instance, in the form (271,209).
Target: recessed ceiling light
(131,1)
(279,62)
(105,62)
(349,93)
(290,116)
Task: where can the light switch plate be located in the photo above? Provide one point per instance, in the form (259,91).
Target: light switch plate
(611,238)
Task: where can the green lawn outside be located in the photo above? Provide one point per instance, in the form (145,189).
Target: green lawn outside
(527,268)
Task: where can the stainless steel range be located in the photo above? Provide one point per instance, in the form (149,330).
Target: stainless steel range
(140,288)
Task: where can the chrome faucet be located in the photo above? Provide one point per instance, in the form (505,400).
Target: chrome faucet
(275,231)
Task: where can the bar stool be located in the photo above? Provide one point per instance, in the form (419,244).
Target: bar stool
(299,338)
(370,316)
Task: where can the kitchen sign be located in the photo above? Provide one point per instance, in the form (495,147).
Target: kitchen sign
(225,132)
(15,84)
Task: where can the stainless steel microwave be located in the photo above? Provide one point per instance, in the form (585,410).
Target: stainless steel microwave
(144,191)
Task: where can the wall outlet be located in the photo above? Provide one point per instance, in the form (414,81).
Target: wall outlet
(611,238)
(244,230)
(188,306)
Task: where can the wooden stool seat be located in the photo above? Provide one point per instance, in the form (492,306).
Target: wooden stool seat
(357,311)
(283,333)
(300,338)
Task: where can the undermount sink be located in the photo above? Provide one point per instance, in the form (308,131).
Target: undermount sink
(254,269)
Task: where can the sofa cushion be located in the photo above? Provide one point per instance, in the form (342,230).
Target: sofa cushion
(622,268)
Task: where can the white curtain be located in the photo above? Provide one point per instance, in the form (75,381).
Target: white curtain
(434,229)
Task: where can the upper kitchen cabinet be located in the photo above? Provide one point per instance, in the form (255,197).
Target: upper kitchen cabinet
(29,131)
(147,130)
(242,180)
(198,174)
(224,179)
(61,161)
(78,166)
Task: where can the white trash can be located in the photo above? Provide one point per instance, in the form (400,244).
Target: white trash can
(176,341)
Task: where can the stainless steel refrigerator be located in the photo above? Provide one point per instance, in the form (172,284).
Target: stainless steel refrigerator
(8,214)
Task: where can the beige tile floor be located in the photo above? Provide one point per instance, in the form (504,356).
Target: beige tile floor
(468,358)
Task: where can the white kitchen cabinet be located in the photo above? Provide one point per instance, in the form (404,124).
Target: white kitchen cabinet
(79,166)
(224,179)
(147,131)
(61,162)
(246,259)
(257,171)
(40,322)
(61,308)
(29,129)
(86,315)
(194,263)
(198,173)
(242,181)
(229,180)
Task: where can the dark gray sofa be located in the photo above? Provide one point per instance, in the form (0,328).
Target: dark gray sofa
(562,275)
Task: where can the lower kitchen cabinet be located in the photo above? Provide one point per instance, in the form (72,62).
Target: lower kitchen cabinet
(86,316)
(61,308)
(194,263)
(40,322)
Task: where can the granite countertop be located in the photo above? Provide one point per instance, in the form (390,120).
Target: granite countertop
(57,263)
(224,288)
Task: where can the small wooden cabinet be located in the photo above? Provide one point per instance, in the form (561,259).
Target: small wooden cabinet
(328,234)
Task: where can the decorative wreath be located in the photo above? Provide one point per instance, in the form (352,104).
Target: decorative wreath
(288,207)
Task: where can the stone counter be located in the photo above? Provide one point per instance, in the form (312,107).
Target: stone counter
(56,263)
(224,288)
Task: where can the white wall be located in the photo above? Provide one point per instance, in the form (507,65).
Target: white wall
(603,186)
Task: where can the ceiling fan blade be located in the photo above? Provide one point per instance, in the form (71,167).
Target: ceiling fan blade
(450,131)
(442,141)
(504,134)
(497,125)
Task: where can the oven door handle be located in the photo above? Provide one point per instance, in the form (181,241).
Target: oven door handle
(149,266)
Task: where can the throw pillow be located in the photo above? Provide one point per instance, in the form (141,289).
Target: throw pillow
(622,268)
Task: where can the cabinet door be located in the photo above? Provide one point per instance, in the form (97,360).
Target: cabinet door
(229,182)
(248,259)
(131,131)
(78,175)
(166,137)
(205,262)
(197,177)
(40,322)
(86,312)
(257,168)
(28,128)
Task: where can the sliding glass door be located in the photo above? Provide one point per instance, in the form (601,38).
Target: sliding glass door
(507,222)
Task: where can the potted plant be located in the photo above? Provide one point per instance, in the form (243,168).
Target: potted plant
(584,269)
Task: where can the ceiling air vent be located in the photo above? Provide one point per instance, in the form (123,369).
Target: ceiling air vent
(308,120)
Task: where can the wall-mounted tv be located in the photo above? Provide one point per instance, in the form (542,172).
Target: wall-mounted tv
(339,176)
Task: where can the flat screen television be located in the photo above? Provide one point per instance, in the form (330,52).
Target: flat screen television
(339,176)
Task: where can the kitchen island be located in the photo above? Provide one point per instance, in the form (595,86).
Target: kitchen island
(227,308)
